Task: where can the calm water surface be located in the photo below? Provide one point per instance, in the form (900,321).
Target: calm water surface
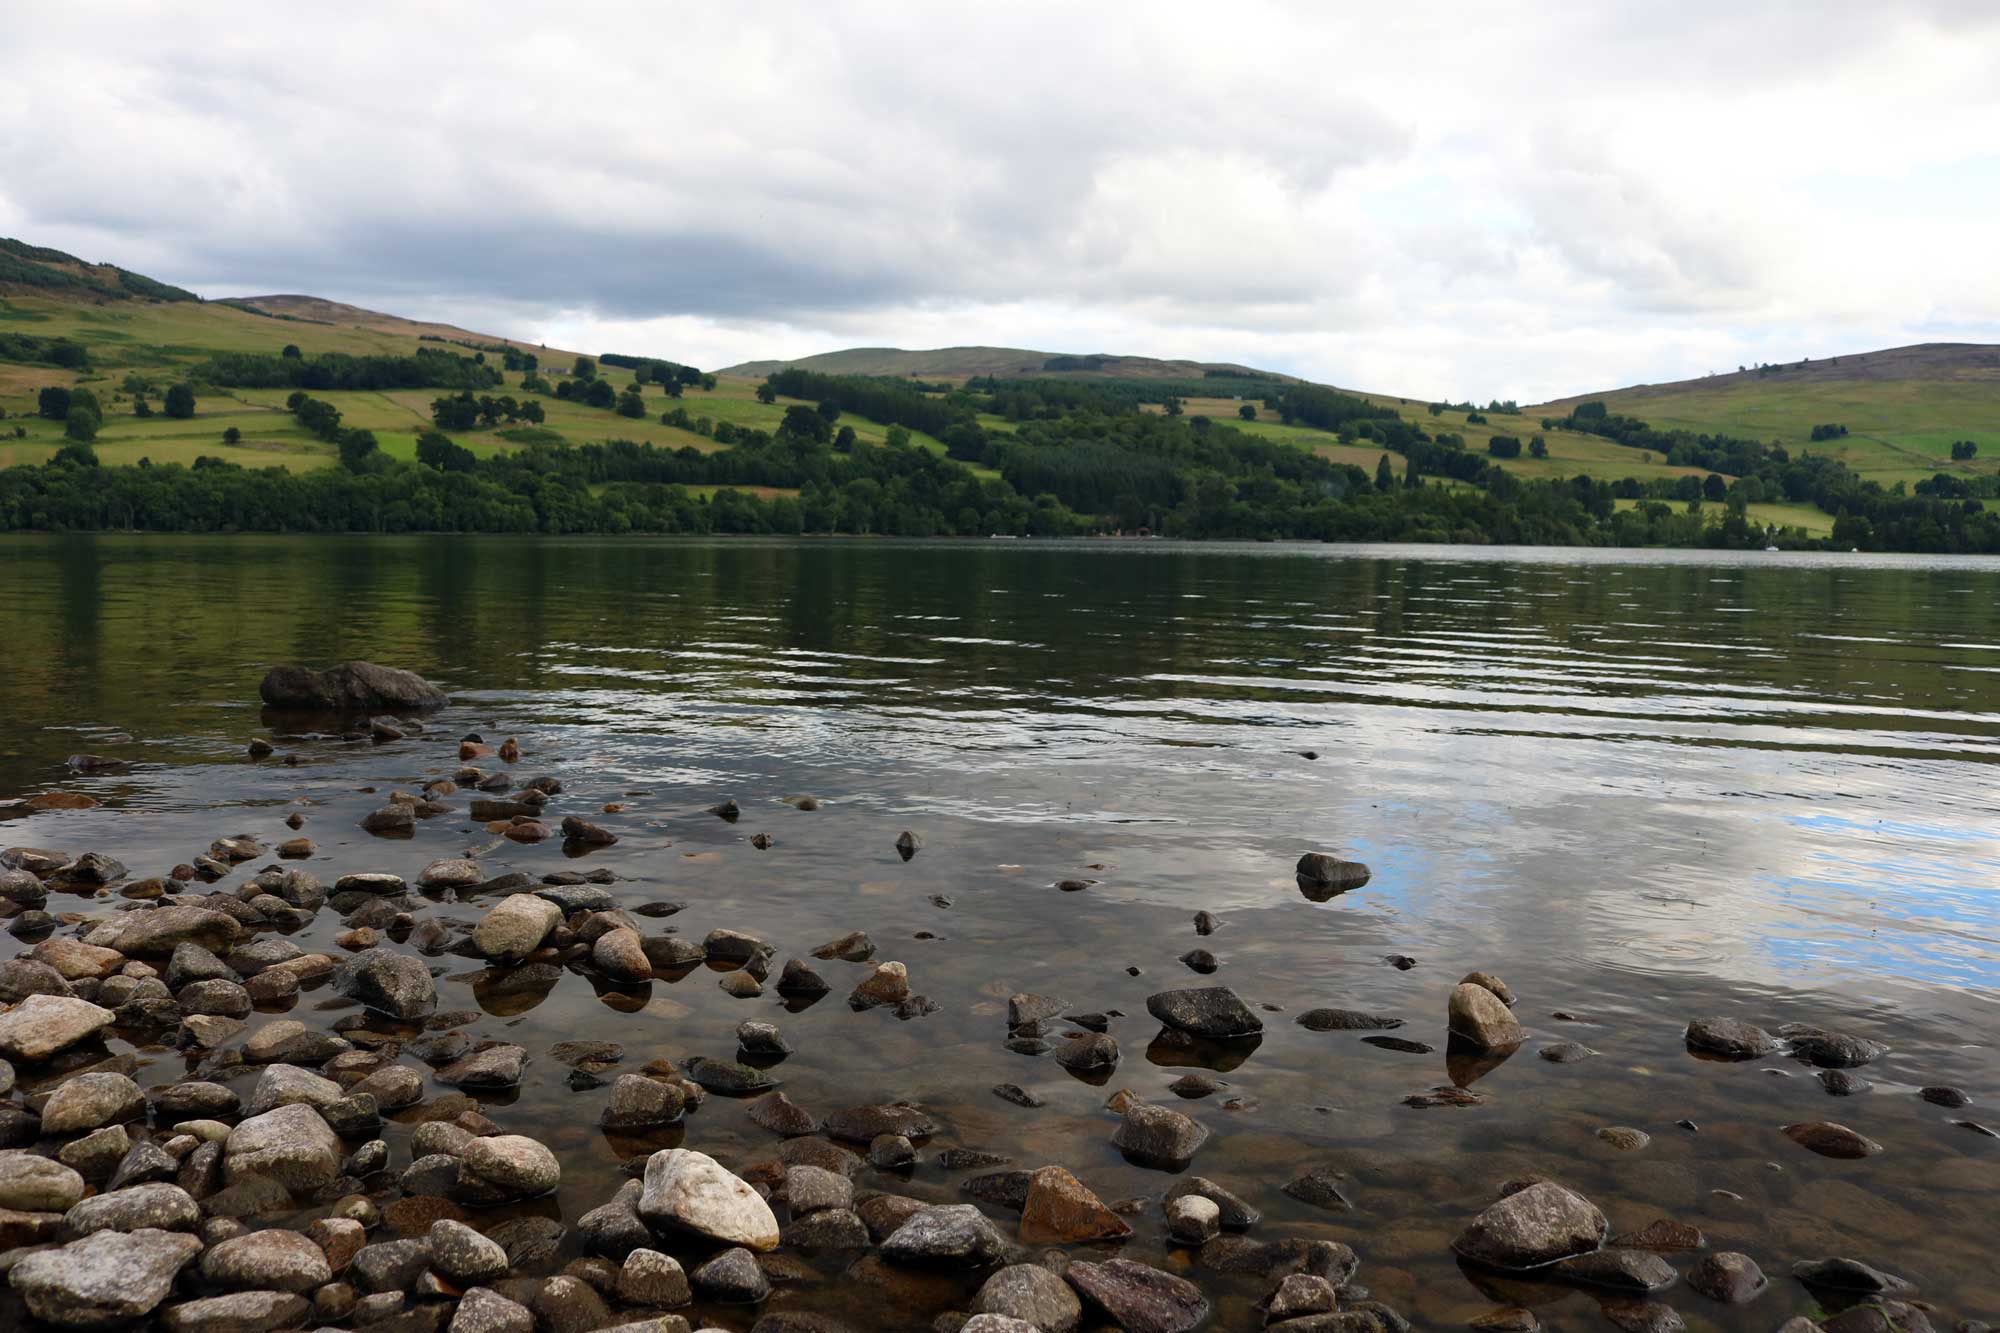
(1641,787)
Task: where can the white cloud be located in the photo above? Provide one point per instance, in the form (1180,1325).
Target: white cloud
(1516,199)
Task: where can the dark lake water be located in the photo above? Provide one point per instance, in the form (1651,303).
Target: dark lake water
(1641,787)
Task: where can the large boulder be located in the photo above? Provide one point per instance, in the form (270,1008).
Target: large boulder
(515,927)
(351,686)
(691,1191)
(42,1025)
(953,1235)
(104,1280)
(397,984)
(1481,1017)
(31,1183)
(91,1101)
(1539,1225)
(270,1260)
(156,934)
(292,1145)
(505,1168)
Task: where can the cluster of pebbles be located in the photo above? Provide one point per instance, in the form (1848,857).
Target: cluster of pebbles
(260,1193)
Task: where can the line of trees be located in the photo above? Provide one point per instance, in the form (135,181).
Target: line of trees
(426,368)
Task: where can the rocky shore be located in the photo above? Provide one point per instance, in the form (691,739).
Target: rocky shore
(341,1150)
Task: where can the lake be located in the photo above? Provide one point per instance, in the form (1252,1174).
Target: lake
(1640,787)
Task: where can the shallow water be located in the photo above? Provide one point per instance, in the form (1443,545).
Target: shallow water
(1641,787)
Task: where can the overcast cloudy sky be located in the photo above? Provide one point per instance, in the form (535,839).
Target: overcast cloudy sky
(1473,200)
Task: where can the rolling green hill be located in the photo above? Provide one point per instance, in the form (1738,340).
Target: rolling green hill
(1904,442)
(1903,407)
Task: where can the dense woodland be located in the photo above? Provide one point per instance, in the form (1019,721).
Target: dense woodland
(1079,456)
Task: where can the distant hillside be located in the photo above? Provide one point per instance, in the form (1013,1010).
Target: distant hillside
(37,270)
(317,310)
(955,362)
(1902,408)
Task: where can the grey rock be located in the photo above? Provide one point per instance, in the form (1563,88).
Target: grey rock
(1140,1298)
(1533,1227)
(103,1280)
(237,1312)
(649,1277)
(463,1255)
(1728,1277)
(504,1168)
(946,1235)
(732,1276)
(1729,1039)
(1839,1274)
(638,1102)
(272,1260)
(1622,1270)
(155,1206)
(40,1026)
(91,1101)
(1208,1011)
(483,1310)
(396,984)
(1237,1214)
(1158,1137)
(291,1146)
(350,687)
(1032,1294)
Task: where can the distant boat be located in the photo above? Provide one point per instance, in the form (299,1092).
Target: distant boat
(1006,536)
(1770,548)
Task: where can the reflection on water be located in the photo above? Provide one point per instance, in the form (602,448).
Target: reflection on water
(1641,787)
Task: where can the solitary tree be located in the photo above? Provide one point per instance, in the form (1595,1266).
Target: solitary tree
(1385,474)
(53,402)
(80,423)
(584,369)
(180,401)
(766,394)
(291,352)
(232,436)
(1248,412)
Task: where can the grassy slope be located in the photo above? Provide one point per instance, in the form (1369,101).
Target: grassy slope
(1903,408)
(163,340)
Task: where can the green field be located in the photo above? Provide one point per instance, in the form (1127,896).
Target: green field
(163,341)
(1903,408)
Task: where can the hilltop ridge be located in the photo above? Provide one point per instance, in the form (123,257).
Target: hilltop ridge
(1001,362)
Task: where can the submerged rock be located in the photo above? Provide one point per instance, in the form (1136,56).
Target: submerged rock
(1728,1277)
(1831,1140)
(1345,1020)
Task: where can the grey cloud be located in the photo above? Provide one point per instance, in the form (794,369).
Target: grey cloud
(1421,194)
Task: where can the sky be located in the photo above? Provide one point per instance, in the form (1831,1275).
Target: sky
(1437,200)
